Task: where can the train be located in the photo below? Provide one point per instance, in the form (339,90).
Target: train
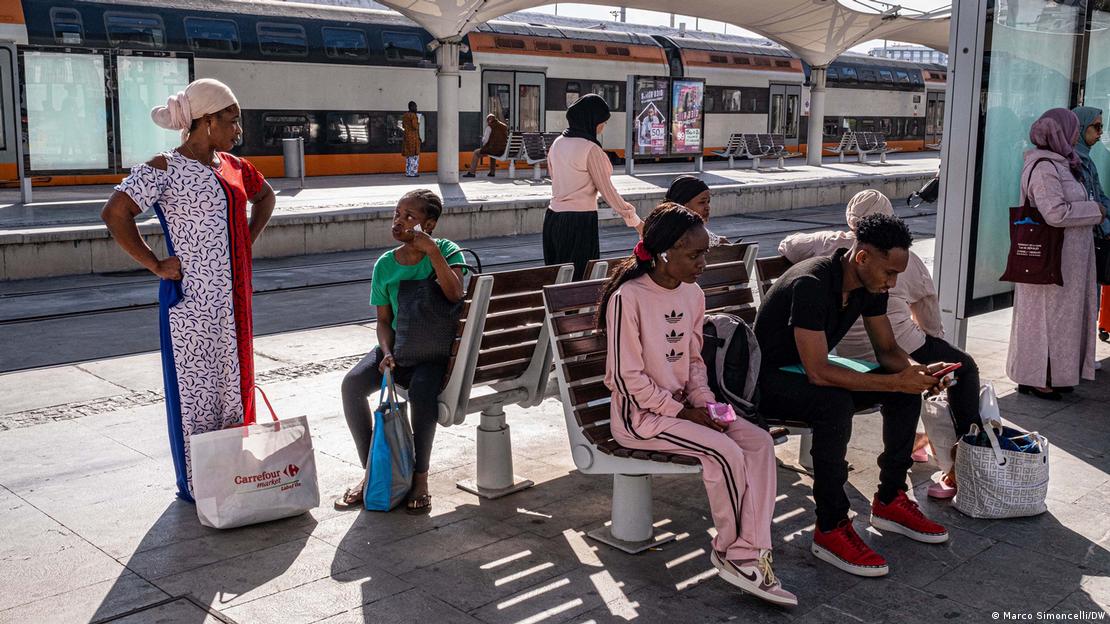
(341,77)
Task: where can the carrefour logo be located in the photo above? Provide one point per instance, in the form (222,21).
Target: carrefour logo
(291,470)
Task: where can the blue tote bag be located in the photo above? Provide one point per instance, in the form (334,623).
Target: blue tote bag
(391,462)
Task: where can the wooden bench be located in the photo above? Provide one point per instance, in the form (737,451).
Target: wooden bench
(768,270)
(514,151)
(847,145)
(580,350)
(501,356)
(745,252)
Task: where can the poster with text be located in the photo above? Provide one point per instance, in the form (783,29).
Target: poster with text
(650,121)
(687,97)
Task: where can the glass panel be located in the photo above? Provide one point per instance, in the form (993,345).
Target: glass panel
(574,91)
(282,40)
(610,92)
(529,102)
(348,128)
(133,30)
(145,83)
(276,127)
(1028,71)
(1098,89)
(67,116)
(345,43)
(212,35)
(777,113)
(403,46)
(791,117)
(498,101)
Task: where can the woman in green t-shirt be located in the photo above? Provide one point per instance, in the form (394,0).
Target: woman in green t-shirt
(418,257)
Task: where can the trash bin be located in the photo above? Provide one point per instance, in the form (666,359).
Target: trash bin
(293,151)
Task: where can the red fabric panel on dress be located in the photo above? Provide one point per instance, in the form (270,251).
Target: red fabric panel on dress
(241,181)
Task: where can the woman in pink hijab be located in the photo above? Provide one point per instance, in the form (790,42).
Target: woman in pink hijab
(1052,337)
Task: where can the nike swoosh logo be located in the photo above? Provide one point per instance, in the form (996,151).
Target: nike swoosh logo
(750,578)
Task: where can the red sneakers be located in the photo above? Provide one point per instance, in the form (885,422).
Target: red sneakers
(902,515)
(844,548)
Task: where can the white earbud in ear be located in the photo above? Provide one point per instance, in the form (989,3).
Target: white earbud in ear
(664,256)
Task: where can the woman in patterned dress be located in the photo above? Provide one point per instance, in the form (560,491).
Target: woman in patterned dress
(410,146)
(199,193)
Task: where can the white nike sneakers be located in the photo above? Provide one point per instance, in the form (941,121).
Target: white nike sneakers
(755,577)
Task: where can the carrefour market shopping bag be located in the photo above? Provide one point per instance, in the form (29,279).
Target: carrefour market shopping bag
(260,472)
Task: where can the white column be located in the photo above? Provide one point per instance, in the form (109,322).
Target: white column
(815,141)
(447,112)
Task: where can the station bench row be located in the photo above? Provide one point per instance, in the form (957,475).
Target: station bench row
(863,144)
(756,147)
(527,147)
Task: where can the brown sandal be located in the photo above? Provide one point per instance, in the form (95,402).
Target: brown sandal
(419,505)
(351,499)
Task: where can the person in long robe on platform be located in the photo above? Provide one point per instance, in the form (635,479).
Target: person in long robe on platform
(199,193)
(1052,337)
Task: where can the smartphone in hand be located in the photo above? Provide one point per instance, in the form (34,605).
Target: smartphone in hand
(947,369)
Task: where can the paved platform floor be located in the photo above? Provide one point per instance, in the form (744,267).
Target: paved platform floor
(59,207)
(90,531)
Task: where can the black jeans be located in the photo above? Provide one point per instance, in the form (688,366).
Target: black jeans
(423,382)
(829,412)
(963,398)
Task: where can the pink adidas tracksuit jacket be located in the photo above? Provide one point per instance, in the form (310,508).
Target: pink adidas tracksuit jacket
(655,340)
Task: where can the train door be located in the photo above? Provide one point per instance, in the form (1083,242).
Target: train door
(9,134)
(934,117)
(784,114)
(517,98)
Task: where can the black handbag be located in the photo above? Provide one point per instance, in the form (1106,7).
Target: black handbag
(1102,260)
(427,321)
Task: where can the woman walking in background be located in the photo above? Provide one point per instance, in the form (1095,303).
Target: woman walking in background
(200,194)
(1052,337)
(410,145)
(579,170)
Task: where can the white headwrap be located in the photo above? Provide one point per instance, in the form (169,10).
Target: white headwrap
(864,203)
(202,97)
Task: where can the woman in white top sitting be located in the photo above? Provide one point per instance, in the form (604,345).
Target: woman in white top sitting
(914,313)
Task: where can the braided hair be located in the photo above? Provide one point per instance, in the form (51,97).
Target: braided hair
(430,202)
(664,227)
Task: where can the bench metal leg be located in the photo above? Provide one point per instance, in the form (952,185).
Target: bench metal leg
(537,172)
(782,162)
(755,163)
(494,460)
(731,164)
(882,157)
(512,169)
(805,446)
(632,527)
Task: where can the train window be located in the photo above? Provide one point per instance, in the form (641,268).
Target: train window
(584,49)
(610,92)
(68,27)
(762,62)
(348,129)
(866,125)
(832,74)
(903,76)
(886,75)
(832,127)
(135,30)
(278,126)
(212,35)
(782,63)
(548,46)
(915,77)
(345,43)
(506,42)
(718,58)
(282,39)
(724,100)
(885,126)
(868,75)
(574,91)
(848,74)
(741,60)
(404,46)
(622,51)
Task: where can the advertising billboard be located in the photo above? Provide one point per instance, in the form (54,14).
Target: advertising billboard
(145,82)
(687,98)
(67,110)
(649,127)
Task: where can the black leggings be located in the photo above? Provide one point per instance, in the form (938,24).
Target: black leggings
(423,382)
(829,412)
(963,398)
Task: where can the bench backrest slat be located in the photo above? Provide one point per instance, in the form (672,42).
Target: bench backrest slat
(769,270)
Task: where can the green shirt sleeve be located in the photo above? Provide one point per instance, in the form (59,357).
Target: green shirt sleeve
(447,248)
(379,295)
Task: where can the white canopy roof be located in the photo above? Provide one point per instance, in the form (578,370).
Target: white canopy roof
(816,30)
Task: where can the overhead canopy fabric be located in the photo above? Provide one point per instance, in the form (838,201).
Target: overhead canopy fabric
(818,31)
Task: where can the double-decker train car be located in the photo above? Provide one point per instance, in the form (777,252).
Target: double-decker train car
(340,77)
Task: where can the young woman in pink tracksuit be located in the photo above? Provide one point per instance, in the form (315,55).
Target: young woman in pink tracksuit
(653,312)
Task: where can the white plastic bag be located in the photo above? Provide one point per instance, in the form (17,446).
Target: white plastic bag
(988,405)
(936,416)
(252,474)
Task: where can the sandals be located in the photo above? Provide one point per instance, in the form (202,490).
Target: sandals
(351,499)
(419,505)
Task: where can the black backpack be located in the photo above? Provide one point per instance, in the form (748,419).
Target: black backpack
(731,356)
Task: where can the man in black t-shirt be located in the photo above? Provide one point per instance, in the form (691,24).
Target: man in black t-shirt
(802,318)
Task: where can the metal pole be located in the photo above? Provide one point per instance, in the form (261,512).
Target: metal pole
(20,151)
(447,100)
(300,151)
(815,141)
